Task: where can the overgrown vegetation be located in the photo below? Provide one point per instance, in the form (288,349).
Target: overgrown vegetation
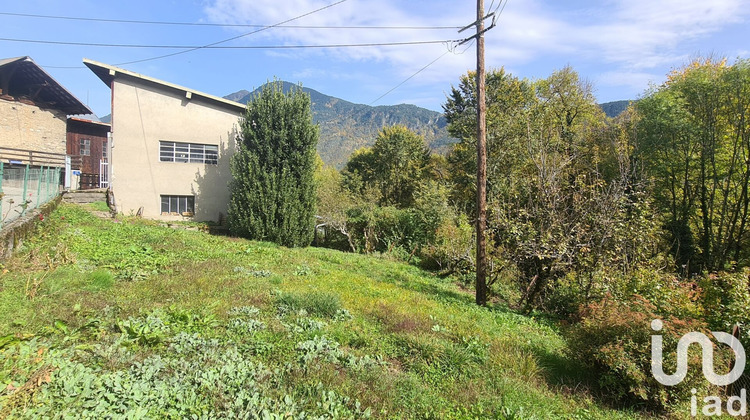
(596,226)
(647,212)
(220,327)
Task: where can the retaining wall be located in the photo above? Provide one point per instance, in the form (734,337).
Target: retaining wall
(13,234)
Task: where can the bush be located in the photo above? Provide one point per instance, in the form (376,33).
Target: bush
(726,300)
(453,248)
(669,294)
(385,228)
(614,339)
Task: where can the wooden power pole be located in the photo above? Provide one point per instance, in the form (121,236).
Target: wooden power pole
(481,224)
(481,283)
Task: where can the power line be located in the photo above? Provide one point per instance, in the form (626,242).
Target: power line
(471,39)
(156,22)
(410,77)
(234,37)
(497,15)
(225,47)
(418,71)
(492,4)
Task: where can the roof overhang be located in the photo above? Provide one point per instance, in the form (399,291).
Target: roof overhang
(22,77)
(87,121)
(108,74)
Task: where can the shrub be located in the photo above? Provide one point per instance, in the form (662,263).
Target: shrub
(614,337)
(726,300)
(453,248)
(669,293)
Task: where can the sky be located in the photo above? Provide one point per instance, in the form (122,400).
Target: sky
(620,46)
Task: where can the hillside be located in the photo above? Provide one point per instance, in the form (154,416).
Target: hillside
(103,318)
(346,126)
(613,109)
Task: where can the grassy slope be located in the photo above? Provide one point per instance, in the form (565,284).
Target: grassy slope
(132,318)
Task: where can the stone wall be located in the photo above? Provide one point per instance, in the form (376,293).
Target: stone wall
(13,234)
(28,127)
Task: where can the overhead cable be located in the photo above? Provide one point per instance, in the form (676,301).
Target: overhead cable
(236,25)
(225,47)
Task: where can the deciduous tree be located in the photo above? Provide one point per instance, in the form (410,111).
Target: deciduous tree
(694,138)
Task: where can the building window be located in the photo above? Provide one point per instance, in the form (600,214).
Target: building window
(170,151)
(85,147)
(104,150)
(177,205)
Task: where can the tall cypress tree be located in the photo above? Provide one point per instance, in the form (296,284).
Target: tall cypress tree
(272,188)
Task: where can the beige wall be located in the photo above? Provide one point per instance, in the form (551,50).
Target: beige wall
(142,115)
(29,127)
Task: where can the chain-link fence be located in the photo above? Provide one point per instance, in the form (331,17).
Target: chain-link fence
(23,188)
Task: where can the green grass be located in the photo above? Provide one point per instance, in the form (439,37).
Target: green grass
(127,318)
(99,206)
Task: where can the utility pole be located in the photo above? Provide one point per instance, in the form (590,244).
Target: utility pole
(481,221)
(481,284)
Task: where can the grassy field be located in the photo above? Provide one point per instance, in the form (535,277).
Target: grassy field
(125,318)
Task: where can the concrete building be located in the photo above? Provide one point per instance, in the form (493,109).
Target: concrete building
(170,147)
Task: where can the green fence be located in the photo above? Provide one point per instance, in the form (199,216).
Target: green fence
(24,187)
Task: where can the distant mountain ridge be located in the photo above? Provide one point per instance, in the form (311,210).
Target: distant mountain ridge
(615,108)
(346,126)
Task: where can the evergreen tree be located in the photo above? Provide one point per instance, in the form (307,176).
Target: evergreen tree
(273,189)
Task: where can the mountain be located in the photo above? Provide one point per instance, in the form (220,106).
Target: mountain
(613,109)
(346,126)
(237,96)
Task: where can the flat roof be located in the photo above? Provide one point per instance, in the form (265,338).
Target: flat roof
(22,77)
(108,73)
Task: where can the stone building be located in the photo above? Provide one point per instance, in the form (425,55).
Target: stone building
(33,110)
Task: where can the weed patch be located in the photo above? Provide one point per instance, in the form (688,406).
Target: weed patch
(315,303)
(103,318)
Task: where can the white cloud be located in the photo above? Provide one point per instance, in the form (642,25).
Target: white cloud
(647,34)
(631,80)
(404,59)
(622,42)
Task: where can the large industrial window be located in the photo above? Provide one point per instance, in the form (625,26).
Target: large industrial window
(177,205)
(85,147)
(170,151)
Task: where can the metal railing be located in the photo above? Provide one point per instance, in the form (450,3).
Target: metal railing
(23,188)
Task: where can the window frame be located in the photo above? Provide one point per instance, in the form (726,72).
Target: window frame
(184,205)
(181,152)
(84,147)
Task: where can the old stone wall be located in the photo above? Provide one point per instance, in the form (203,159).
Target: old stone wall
(28,127)
(13,234)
